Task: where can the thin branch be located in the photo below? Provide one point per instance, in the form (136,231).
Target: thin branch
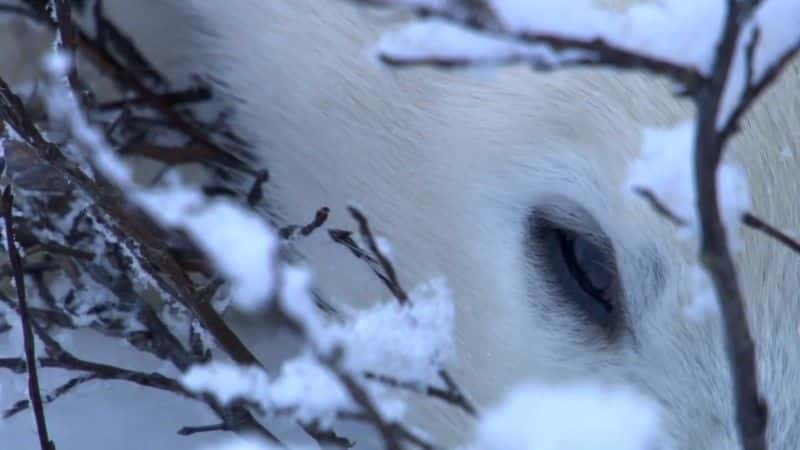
(757,224)
(388,269)
(451,395)
(291,231)
(751,409)
(658,206)
(753,91)
(51,397)
(362,398)
(190,95)
(598,52)
(190,430)
(28,340)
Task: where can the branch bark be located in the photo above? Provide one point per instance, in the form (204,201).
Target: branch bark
(34,391)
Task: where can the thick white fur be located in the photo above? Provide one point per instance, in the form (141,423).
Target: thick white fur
(448,166)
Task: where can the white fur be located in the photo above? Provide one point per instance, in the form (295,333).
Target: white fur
(448,165)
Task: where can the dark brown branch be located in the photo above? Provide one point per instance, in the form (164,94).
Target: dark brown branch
(191,95)
(191,153)
(751,409)
(190,430)
(455,392)
(291,231)
(52,396)
(597,51)
(362,398)
(28,340)
(451,395)
(659,207)
(386,266)
(757,224)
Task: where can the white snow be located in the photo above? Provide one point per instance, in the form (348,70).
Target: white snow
(569,417)
(410,342)
(304,388)
(297,303)
(438,40)
(247,443)
(240,243)
(406,342)
(692,27)
(227,382)
(11,342)
(666,168)
(62,106)
(704,302)
(311,390)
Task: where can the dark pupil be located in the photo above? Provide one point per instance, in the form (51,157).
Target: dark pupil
(587,266)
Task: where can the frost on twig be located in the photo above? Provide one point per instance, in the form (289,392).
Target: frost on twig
(93,253)
(97,244)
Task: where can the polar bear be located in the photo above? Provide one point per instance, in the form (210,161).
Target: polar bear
(509,184)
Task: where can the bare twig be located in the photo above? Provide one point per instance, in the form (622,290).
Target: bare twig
(27,334)
(451,395)
(360,396)
(751,409)
(758,224)
(388,269)
(658,206)
(55,394)
(190,430)
(190,95)
(596,52)
(289,232)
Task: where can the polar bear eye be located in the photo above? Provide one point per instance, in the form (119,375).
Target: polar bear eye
(580,265)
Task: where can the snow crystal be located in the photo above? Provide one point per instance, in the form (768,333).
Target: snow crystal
(227,382)
(57,63)
(582,416)
(239,243)
(247,443)
(666,168)
(310,390)
(304,388)
(410,342)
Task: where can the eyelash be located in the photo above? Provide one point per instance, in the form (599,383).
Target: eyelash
(582,269)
